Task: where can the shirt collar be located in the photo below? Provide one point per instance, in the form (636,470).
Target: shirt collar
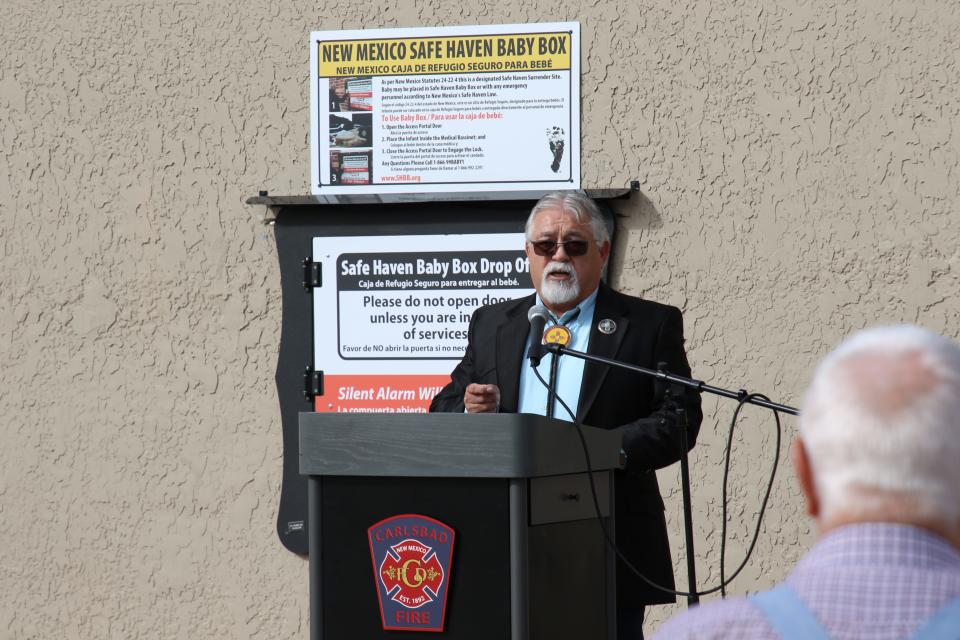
(878,544)
(586,307)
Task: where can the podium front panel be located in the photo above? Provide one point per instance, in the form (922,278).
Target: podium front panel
(477,509)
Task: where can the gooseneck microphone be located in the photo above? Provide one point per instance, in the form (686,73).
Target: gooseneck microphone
(538,317)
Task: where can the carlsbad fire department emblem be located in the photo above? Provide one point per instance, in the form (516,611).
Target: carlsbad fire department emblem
(411,563)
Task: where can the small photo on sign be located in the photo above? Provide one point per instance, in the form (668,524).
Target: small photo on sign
(351,94)
(351,167)
(351,130)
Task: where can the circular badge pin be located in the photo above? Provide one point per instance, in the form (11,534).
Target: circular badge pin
(557,334)
(607,326)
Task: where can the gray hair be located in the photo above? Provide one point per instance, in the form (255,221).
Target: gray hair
(576,203)
(881,426)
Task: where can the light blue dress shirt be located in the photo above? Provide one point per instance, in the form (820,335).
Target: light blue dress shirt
(533,394)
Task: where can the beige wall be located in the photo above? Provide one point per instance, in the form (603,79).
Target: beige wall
(799,170)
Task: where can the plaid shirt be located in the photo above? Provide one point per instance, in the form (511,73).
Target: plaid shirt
(877,581)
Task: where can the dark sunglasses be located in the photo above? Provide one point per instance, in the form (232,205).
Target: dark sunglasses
(573,248)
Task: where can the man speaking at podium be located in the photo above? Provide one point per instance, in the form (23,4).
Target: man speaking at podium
(568,245)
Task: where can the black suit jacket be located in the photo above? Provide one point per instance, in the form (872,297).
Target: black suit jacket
(610,398)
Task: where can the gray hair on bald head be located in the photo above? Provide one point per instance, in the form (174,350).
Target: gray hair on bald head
(881,426)
(576,203)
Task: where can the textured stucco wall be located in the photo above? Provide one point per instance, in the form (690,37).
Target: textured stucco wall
(799,172)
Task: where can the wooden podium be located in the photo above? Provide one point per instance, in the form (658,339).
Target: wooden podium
(529,559)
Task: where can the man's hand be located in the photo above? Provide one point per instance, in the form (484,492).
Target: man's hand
(482,398)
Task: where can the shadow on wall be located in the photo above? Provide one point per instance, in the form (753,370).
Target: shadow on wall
(634,214)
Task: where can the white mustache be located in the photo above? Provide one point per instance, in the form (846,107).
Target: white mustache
(557,267)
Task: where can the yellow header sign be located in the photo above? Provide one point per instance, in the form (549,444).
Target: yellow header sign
(439,55)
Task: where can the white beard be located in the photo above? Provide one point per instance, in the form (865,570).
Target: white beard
(559,292)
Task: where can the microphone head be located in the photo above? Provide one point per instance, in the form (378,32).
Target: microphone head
(538,311)
(538,317)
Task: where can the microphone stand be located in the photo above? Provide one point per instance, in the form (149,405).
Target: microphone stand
(666,376)
(673,391)
(552,386)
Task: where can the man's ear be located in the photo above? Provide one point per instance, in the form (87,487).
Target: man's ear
(605,251)
(801,466)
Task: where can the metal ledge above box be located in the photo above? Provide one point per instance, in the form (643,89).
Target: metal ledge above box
(276,202)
